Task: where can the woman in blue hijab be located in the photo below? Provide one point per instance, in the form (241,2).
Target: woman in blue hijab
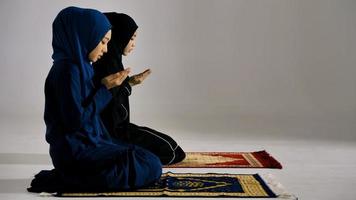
(84,155)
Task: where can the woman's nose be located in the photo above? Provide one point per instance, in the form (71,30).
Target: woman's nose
(105,49)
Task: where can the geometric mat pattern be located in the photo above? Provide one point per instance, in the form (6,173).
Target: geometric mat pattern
(194,185)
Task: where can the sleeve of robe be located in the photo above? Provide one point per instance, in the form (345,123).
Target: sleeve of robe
(72,111)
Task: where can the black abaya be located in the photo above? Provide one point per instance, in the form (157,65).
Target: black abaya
(116,116)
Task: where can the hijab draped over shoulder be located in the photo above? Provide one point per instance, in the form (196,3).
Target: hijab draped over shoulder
(76,32)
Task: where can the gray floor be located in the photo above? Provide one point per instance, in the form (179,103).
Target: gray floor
(313,169)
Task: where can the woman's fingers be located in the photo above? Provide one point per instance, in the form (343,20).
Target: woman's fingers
(122,73)
(120,79)
(116,79)
(145,74)
(109,78)
(121,76)
(118,74)
(139,78)
(147,71)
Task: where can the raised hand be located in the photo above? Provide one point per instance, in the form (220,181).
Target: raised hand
(139,78)
(114,80)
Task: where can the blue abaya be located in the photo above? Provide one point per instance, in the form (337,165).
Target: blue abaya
(84,155)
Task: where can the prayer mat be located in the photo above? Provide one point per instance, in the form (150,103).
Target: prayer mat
(195,185)
(259,159)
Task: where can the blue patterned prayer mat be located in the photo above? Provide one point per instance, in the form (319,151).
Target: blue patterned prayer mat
(194,185)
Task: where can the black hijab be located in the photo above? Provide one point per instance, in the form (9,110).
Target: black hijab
(116,116)
(123,28)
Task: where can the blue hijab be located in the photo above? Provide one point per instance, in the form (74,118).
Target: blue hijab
(76,32)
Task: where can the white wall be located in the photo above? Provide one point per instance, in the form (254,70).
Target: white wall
(268,63)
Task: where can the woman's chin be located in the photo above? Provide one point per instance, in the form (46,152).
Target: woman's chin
(96,59)
(126,53)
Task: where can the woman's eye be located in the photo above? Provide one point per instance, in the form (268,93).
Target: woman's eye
(102,42)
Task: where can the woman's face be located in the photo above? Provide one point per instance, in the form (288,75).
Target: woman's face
(131,45)
(101,48)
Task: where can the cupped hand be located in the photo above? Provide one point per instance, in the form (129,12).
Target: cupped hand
(116,79)
(139,78)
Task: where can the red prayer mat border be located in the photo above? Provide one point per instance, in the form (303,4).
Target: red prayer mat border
(265,161)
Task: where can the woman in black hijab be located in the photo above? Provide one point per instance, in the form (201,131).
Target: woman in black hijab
(116,116)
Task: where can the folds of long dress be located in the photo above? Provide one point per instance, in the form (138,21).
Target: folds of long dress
(84,155)
(116,117)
